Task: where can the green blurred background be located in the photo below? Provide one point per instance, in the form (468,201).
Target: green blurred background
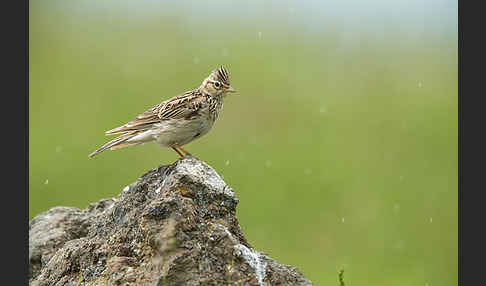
(341,143)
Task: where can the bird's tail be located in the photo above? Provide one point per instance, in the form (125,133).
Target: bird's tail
(118,142)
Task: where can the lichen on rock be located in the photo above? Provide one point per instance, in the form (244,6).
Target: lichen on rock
(176,225)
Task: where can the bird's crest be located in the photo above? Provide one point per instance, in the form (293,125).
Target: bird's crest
(221,75)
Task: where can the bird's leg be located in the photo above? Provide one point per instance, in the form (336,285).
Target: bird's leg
(177,151)
(182,149)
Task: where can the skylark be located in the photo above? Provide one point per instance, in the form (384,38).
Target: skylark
(178,120)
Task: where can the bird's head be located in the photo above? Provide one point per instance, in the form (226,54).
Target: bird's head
(217,83)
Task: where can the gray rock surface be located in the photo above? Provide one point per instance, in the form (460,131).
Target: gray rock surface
(175,226)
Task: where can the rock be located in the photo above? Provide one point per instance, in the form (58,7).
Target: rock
(175,226)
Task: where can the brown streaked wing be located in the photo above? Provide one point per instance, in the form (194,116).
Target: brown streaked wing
(181,107)
(171,108)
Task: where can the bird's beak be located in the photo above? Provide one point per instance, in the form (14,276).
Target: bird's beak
(230,89)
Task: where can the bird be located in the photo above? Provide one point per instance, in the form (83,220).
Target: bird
(178,120)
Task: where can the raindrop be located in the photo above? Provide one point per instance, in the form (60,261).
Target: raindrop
(430,220)
(259,35)
(396,208)
(420,84)
(268,163)
(46,182)
(58,149)
(196,60)
(400,244)
(342,219)
(227,163)
(401,178)
(323,110)
(225,52)
(308,171)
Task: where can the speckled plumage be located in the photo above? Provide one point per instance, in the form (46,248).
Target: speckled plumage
(178,120)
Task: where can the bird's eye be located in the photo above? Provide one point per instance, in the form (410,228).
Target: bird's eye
(217,84)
